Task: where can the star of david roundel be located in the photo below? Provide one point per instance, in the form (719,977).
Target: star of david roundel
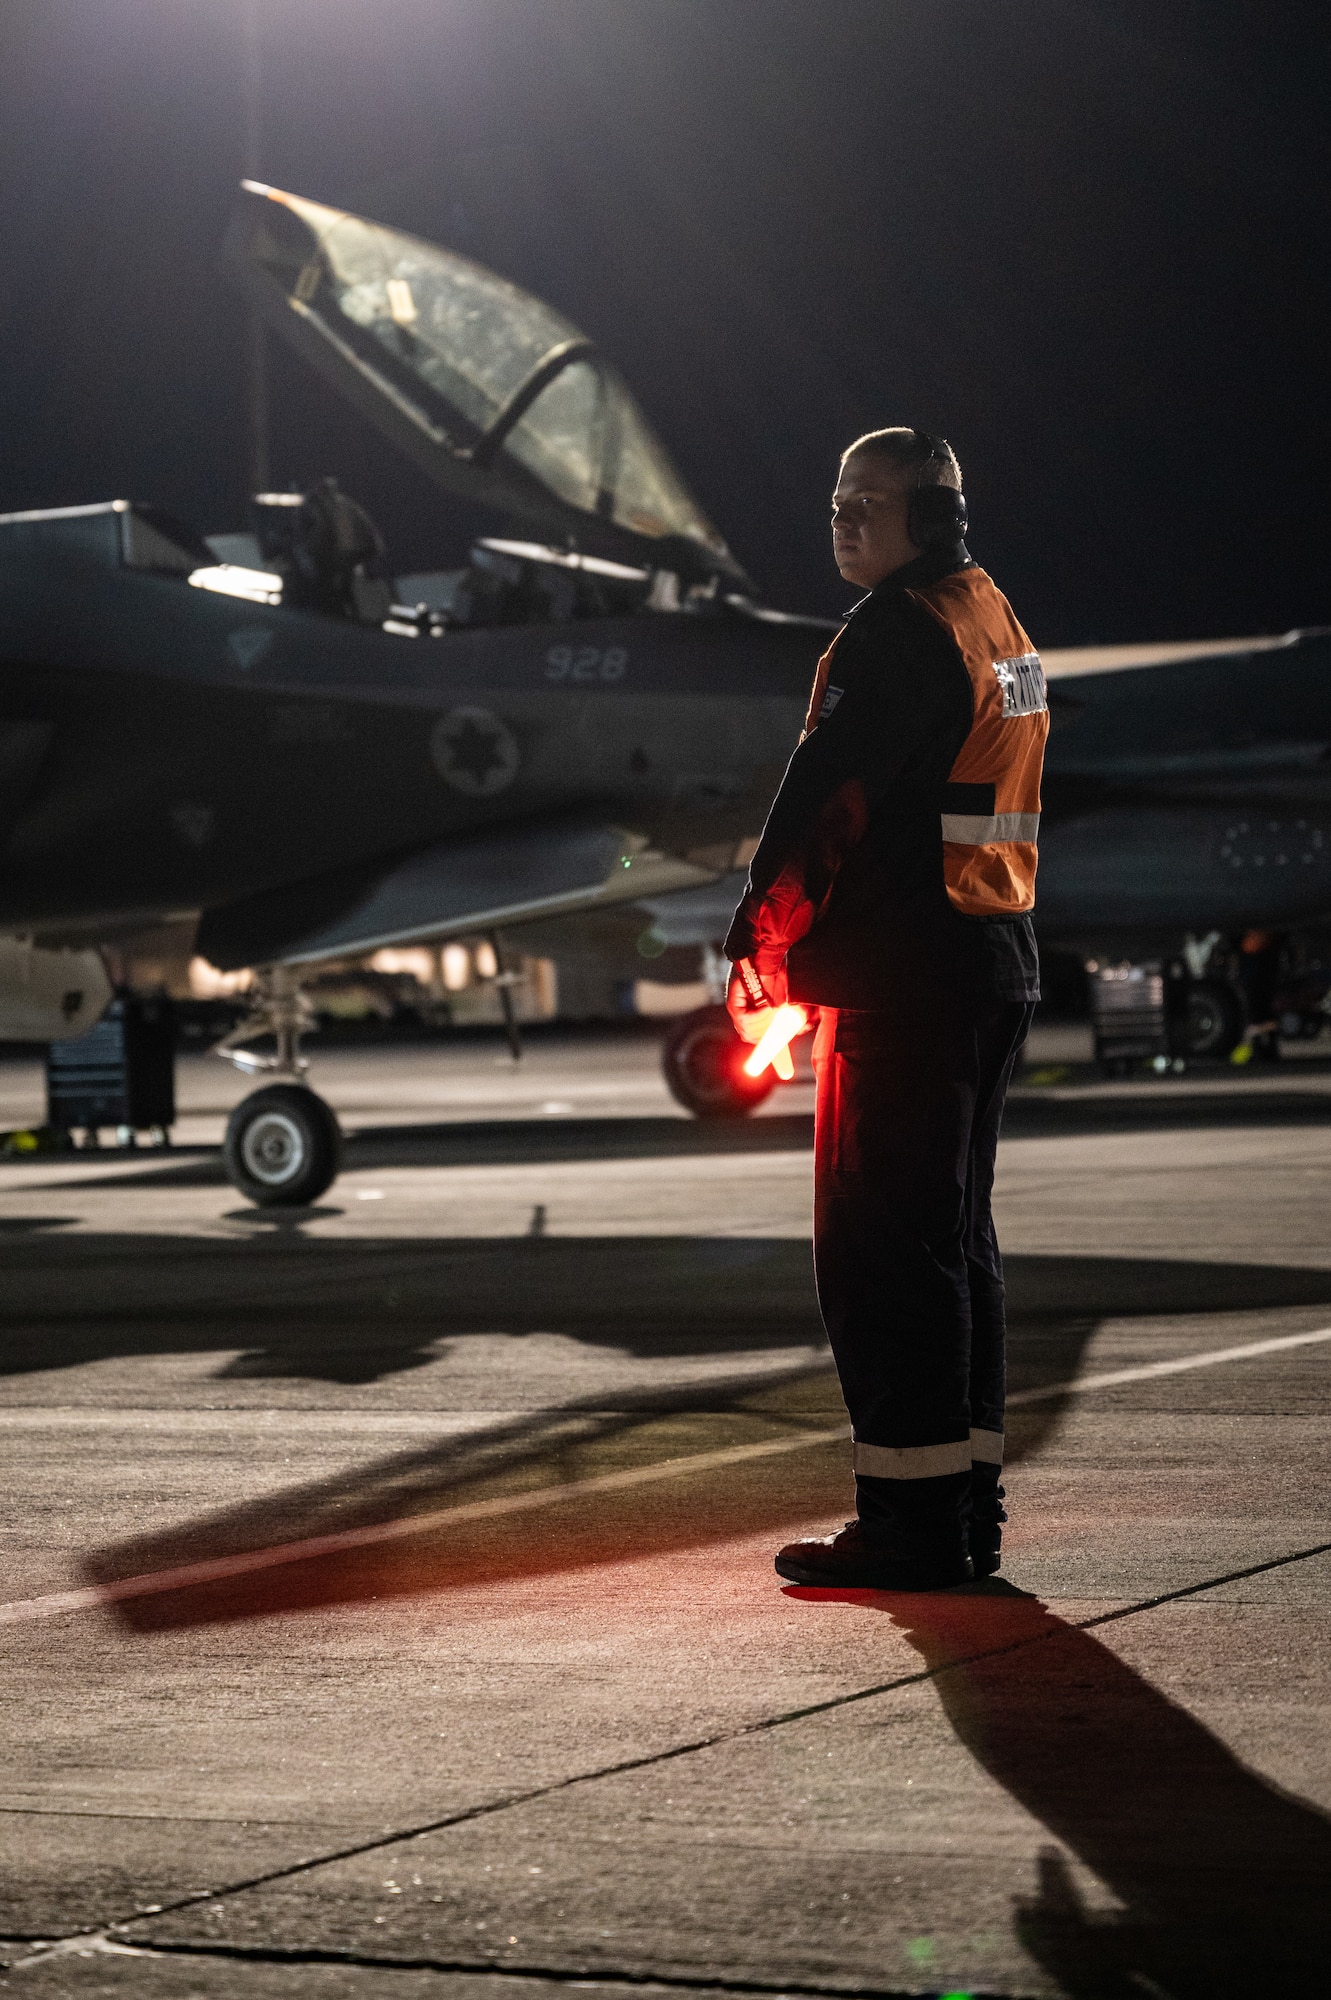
(474,752)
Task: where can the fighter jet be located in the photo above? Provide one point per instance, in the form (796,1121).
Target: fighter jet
(585,725)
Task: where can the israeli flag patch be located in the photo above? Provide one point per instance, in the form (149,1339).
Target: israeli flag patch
(1023,684)
(830,699)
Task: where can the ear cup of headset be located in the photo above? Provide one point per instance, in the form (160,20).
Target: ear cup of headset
(936,514)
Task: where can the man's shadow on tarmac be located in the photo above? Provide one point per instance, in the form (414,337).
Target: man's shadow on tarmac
(1224,1878)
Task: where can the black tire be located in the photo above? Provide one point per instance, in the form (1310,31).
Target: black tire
(1211,1020)
(283,1146)
(703,1061)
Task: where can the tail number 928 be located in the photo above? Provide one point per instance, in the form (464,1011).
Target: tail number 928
(586,663)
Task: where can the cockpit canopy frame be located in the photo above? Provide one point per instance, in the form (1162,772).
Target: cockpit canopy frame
(496,396)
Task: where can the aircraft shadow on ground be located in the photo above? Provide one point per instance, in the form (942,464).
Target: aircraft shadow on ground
(647,1296)
(1030,1114)
(355,1311)
(1224,1879)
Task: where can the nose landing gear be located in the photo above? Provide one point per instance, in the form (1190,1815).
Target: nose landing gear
(283,1145)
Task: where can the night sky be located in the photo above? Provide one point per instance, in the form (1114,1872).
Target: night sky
(1085,241)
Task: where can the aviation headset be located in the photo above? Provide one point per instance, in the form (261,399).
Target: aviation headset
(936,515)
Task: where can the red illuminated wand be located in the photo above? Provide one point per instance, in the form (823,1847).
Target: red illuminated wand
(780,1025)
(774,1048)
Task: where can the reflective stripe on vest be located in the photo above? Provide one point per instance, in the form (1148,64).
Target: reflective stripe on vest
(990,812)
(974,830)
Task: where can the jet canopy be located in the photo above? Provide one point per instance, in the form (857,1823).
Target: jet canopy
(496,395)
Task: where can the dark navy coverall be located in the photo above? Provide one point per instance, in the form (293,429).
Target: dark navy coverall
(924,1013)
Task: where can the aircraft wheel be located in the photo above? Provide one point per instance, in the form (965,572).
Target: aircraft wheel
(283,1146)
(1212,1022)
(703,1061)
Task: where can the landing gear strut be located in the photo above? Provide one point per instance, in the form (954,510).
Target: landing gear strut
(283,1146)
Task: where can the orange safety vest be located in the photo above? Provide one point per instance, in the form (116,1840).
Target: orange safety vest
(991,815)
(819,695)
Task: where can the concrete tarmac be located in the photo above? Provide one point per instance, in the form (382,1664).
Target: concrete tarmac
(388,1604)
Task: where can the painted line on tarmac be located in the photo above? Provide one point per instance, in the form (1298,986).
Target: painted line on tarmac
(1149,1369)
(219,1569)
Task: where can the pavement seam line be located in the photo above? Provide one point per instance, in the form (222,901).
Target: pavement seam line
(97,1941)
(488,1808)
(218,1569)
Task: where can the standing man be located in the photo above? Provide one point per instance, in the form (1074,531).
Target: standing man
(892,889)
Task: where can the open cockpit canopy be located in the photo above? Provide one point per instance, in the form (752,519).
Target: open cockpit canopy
(495,395)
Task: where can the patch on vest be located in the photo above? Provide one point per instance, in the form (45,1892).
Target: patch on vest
(830,700)
(1023,684)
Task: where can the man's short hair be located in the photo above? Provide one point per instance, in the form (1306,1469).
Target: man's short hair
(915,455)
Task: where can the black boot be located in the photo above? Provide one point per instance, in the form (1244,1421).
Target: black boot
(985,1533)
(854,1560)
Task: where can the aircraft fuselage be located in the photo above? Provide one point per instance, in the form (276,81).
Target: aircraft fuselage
(171,749)
(203,747)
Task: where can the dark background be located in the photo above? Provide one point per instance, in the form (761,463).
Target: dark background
(1085,240)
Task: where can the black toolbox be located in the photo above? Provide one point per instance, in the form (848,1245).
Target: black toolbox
(1128,1014)
(121,1073)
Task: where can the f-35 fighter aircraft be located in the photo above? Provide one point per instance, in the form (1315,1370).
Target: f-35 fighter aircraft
(592,716)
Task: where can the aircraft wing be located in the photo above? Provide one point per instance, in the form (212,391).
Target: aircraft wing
(543,869)
(494,395)
(1063,662)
